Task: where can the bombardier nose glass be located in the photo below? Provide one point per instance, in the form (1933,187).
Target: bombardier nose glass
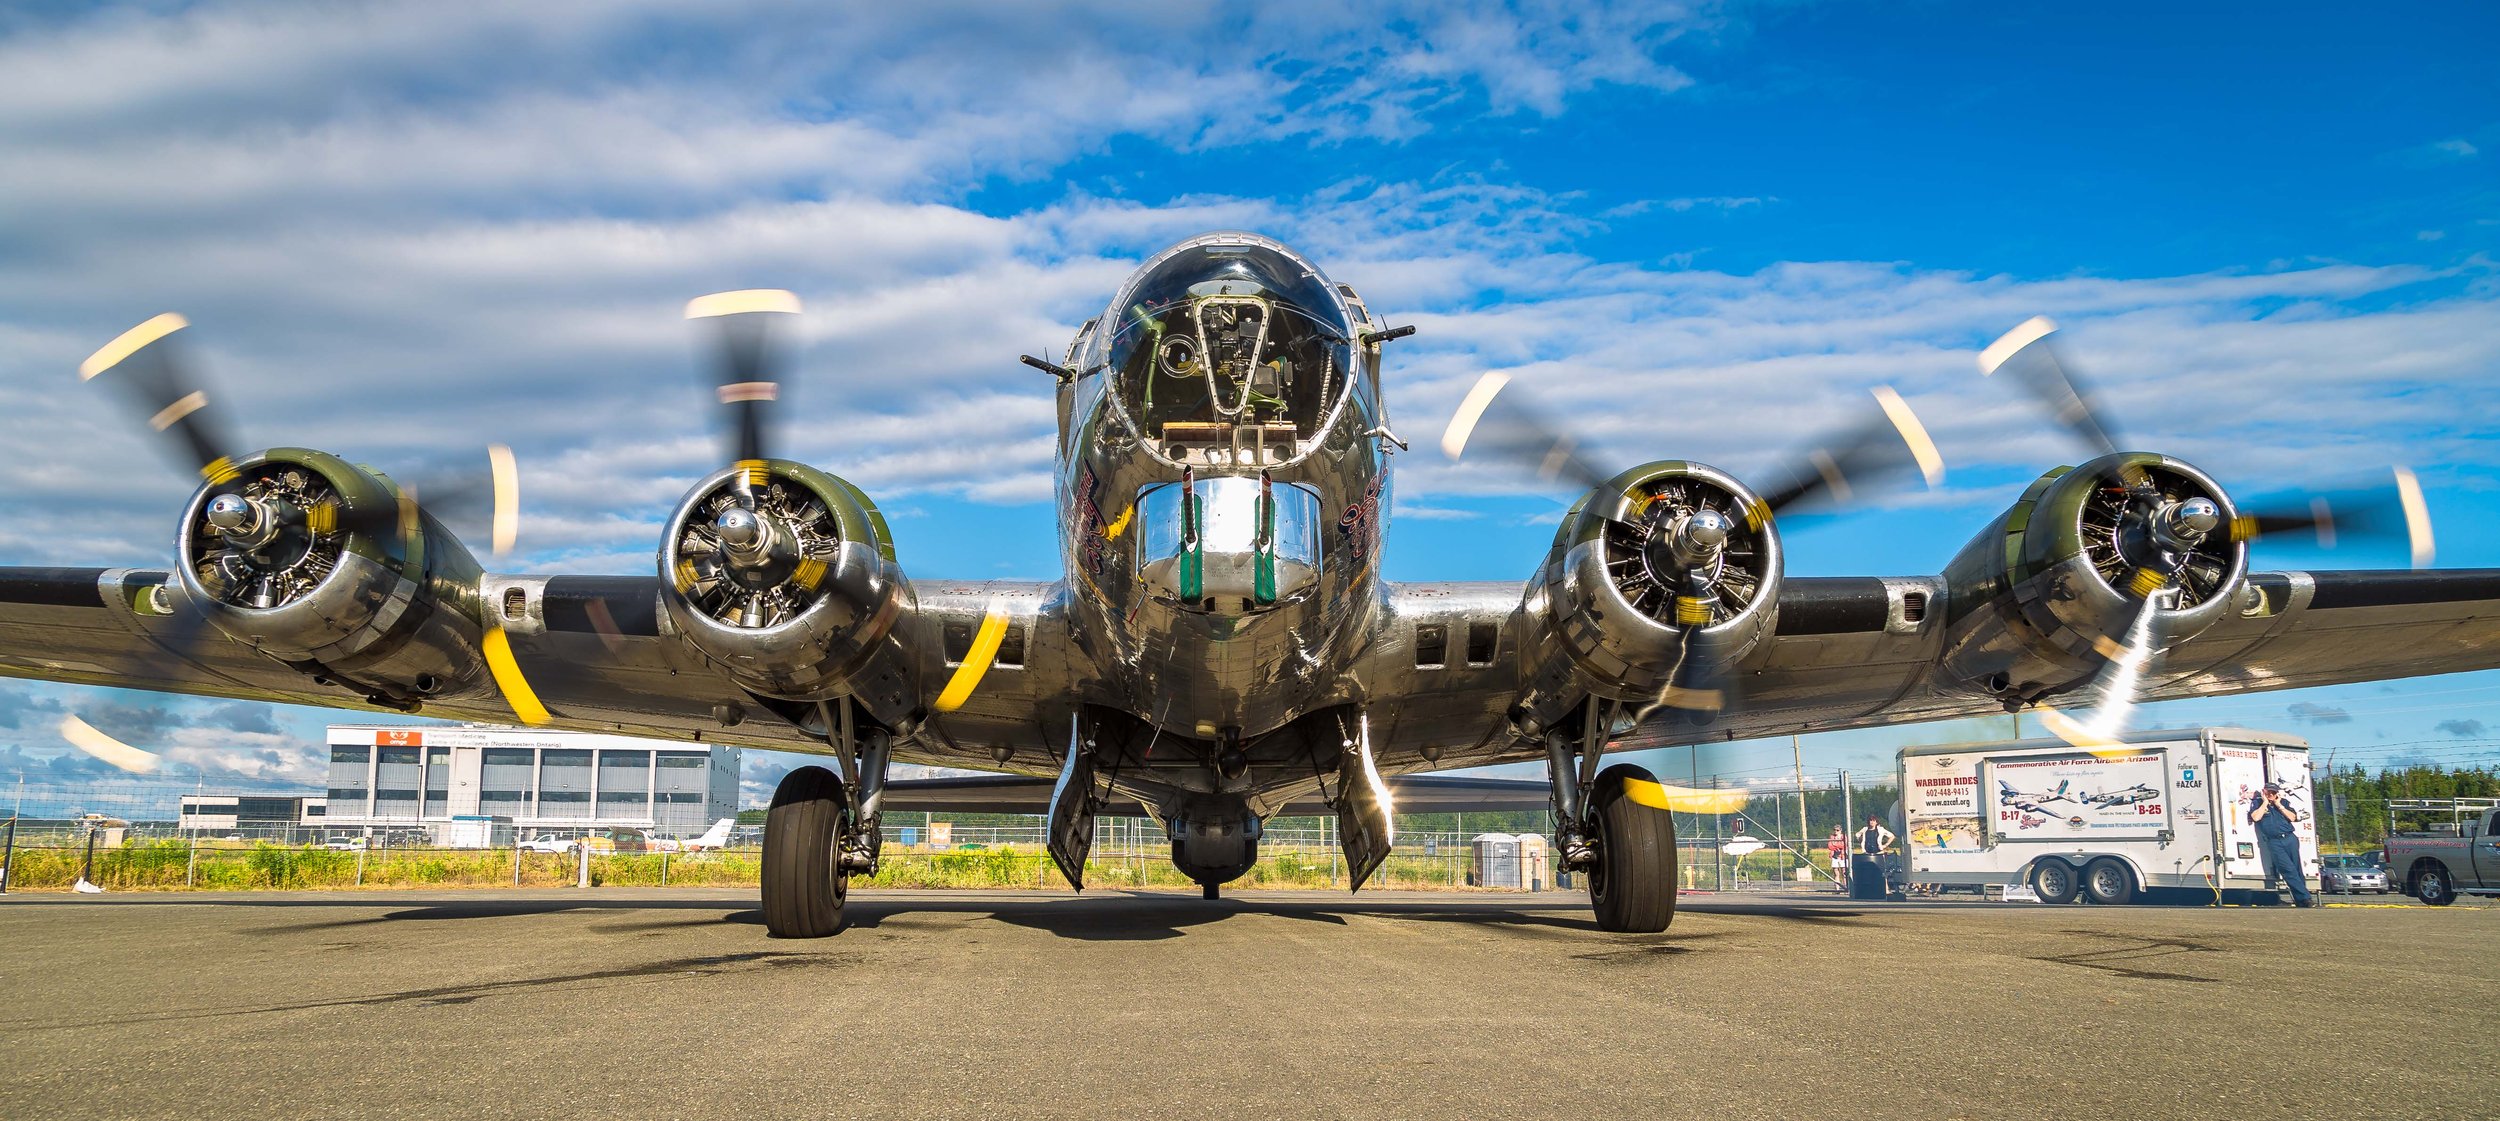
(1229,354)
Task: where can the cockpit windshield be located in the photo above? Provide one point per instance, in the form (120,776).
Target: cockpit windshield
(1228,350)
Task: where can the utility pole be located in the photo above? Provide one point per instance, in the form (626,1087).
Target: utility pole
(1805,836)
(1718,851)
(2335,800)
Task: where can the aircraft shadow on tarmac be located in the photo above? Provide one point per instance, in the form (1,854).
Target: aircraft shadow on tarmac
(1100,917)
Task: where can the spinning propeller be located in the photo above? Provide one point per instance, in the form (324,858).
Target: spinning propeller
(261,535)
(2165,542)
(1683,542)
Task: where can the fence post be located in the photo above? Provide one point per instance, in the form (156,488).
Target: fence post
(663,868)
(516,858)
(191,870)
(582,876)
(8,856)
(86,870)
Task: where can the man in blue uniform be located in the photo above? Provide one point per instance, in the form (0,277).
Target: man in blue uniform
(2277,845)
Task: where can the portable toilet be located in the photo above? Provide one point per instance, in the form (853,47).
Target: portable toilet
(1497,861)
(1536,870)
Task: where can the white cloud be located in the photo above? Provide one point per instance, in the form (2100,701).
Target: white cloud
(403,231)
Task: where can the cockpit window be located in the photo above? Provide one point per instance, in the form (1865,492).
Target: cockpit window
(1228,352)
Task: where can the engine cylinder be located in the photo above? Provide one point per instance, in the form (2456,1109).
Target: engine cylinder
(1658,551)
(783,577)
(2041,595)
(330,567)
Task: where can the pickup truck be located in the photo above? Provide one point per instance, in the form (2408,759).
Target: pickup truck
(2462,858)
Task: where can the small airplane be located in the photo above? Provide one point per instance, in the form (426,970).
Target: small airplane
(1222,645)
(2128,797)
(2032,803)
(715,837)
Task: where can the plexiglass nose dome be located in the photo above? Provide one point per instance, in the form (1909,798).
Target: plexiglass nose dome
(1226,340)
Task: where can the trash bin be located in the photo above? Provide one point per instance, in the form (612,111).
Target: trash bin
(1866,878)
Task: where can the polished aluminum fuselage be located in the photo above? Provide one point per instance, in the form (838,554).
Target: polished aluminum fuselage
(1234,671)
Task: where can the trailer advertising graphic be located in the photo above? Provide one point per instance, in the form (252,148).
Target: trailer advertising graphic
(1941,803)
(2062,797)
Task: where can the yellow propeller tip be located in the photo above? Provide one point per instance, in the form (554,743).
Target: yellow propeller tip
(130,342)
(2030,331)
(743,301)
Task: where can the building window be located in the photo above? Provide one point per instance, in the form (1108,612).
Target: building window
(670,760)
(350,753)
(399,757)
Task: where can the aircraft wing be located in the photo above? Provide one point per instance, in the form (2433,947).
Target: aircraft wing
(591,650)
(1851,652)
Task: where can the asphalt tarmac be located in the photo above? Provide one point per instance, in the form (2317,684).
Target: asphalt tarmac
(636,1003)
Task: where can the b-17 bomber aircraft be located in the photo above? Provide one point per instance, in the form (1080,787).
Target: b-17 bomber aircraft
(1222,647)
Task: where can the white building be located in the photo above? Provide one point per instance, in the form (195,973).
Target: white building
(449,780)
(275,816)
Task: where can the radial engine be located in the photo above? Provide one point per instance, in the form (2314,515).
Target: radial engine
(1662,579)
(332,569)
(783,577)
(2043,597)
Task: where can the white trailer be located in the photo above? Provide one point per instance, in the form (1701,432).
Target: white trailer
(2165,810)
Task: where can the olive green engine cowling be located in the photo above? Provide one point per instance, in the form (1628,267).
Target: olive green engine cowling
(362,587)
(2038,597)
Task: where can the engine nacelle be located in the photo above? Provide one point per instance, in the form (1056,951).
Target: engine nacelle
(1659,550)
(2042,595)
(332,569)
(783,577)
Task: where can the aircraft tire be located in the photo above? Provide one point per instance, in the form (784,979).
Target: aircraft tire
(2108,883)
(2054,879)
(803,879)
(1632,885)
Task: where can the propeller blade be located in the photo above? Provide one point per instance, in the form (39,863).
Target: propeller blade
(1865,456)
(748,368)
(1701,690)
(1513,432)
(2115,688)
(493,498)
(2336,518)
(167,393)
(85,737)
(2028,355)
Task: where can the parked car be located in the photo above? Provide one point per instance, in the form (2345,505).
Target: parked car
(344,844)
(2351,874)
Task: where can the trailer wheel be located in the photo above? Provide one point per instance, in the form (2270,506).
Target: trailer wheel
(2054,879)
(2107,882)
(2430,885)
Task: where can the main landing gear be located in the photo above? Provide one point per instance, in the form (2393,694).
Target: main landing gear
(820,830)
(804,880)
(1614,828)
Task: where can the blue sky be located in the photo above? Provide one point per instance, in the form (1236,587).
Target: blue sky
(402,230)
